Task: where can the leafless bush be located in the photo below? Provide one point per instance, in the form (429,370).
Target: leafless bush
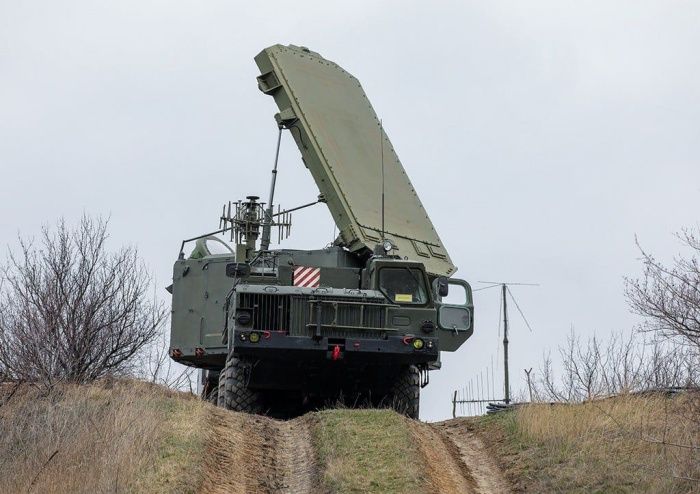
(70,310)
(664,354)
(658,432)
(620,364)
(159,368)
(668,297)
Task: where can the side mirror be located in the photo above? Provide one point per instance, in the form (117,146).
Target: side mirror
(443,286)
(237,270)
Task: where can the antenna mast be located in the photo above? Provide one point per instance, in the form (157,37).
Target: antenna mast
(267,222)
(505,291)
(506,379)
(381,147)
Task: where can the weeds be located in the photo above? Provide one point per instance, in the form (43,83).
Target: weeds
(366,451)
(115,437)
(623,444)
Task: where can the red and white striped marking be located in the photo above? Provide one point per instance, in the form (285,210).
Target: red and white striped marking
(307,277)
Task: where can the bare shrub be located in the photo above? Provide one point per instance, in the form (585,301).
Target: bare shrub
(71,310)
(668,297)
(621,364)
(617,416)
(157,366)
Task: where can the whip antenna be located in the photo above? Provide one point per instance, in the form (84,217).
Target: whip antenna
(267,222)
(381,147)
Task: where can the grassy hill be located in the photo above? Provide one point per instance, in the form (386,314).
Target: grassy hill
(625,444)
(112,437)
(129,436)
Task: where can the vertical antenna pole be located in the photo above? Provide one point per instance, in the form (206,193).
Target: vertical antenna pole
(267,223)
(381,147)
(504,287)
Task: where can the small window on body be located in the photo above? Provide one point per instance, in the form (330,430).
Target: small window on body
(456,296)
(217,248)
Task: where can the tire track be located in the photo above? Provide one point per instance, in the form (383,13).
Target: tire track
(258,455)
(446,473)
(296,459)
(468,449)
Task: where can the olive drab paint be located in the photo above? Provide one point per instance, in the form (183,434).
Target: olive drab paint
(364,316)
(338,133)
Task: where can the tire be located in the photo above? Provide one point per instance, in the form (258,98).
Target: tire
(234,393)
(405,392)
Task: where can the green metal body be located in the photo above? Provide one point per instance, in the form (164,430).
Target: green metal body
(360,322)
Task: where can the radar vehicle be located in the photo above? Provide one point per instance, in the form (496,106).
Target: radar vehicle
(363,320)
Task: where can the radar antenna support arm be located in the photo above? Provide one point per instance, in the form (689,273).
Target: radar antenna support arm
(267,224)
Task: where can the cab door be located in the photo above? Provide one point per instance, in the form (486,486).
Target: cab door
(455,312)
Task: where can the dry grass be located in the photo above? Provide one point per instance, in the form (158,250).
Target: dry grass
(111,437)
(625,444)
(134,437)
(367,451)
(378,451)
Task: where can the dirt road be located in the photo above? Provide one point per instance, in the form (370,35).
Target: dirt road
(253,454)
(471,453)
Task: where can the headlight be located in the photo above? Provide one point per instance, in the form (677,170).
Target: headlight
(418,343)
(243,318)
(428,326)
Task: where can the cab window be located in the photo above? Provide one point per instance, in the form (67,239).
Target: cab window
(403,285)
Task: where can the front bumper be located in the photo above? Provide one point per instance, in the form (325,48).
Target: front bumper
(276,345)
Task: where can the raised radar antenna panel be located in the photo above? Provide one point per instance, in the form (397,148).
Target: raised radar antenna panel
(344,146)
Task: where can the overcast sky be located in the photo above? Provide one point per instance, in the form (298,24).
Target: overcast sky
(541,136)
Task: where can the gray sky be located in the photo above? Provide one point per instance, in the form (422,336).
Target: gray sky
(541,136)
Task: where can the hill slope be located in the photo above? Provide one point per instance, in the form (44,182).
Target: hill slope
(627,444)
(130,436)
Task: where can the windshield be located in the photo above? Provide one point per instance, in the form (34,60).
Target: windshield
(403,285)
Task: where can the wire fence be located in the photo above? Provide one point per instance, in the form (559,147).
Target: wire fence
(474,398)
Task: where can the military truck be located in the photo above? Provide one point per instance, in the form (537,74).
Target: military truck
(363,320)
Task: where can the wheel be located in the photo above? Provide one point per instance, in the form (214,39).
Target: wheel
(405,392)
(234,393)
